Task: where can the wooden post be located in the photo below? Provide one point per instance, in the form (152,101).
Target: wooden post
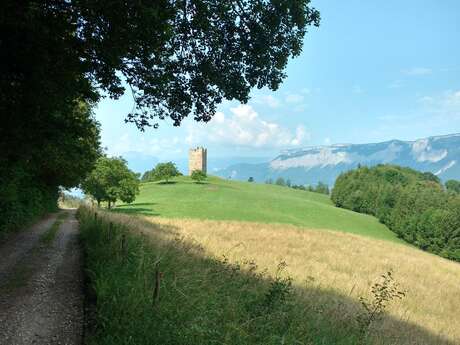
(109,233)
(123,245)
(156,290)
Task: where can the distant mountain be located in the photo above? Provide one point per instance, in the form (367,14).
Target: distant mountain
(439,155)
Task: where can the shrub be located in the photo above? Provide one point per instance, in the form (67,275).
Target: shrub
(23,199)
(198,176)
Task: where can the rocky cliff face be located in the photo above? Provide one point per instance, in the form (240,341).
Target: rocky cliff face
(439,155)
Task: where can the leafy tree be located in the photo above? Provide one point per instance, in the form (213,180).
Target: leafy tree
(56,153)
(288,183)
(280,181)
(111,180)
(428,176)
(453,186)
(322,188)
(269,181)
(175,57)
(198,176)
(251,179)
(165,171)
(412,204)
(147,176)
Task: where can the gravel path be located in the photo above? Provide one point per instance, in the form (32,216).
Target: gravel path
(41,286)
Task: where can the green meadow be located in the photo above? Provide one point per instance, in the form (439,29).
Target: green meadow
(219,199)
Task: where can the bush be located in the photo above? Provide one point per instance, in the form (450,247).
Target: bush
(23,199)
(412,204)
(198,176)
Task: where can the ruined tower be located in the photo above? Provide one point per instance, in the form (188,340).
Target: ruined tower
(197,159)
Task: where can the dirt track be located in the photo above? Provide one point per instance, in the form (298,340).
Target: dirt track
(41,289)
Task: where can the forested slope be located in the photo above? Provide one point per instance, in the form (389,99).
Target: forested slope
(414,205)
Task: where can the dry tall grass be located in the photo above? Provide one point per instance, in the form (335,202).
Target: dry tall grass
(342,264)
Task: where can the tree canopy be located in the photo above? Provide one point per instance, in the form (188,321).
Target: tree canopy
(111,180)
(412,204)
(453,186)
(176,58)
(165,171)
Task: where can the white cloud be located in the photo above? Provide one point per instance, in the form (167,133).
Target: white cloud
(267,100)
(305,91)
(294,98)
(417,71)
(300,108)
(245,128)
(446,105)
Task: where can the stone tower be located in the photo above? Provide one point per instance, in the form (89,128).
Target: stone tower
(197,159)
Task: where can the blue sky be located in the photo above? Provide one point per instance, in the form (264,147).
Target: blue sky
(373,71)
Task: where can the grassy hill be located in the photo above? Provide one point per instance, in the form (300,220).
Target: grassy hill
(220,199)
(247,283)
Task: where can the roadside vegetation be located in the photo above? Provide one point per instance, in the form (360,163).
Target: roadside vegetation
(221,199)
(168,281)
(69,201)
(415,205)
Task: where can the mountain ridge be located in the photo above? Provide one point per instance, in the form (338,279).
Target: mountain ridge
(309,165)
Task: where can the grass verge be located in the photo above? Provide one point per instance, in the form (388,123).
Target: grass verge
(48,236)
(153,286)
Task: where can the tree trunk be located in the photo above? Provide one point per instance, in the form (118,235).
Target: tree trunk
(109,204)
(98,203)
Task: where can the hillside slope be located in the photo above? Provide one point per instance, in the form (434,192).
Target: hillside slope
(242,201)
(218,274)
